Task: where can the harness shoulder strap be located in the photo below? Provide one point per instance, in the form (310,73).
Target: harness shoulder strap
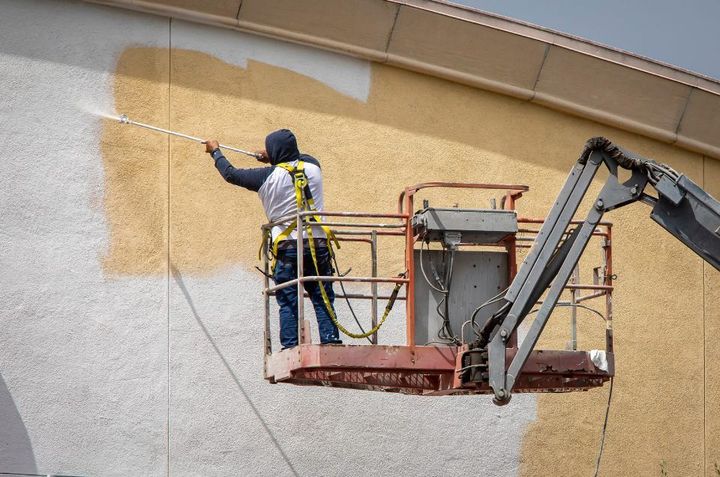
(305,202)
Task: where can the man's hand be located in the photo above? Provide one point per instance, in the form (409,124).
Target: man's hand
(262,156)
(211,145)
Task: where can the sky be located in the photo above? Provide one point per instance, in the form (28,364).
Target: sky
(681,33)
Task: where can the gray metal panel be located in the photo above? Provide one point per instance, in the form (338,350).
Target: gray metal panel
(477,276)
(694,220)
(475,225)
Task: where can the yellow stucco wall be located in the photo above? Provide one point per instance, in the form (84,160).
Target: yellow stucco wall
(136,167)
(412,129)
(711,303)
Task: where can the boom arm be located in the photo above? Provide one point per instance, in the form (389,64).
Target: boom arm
(682,208)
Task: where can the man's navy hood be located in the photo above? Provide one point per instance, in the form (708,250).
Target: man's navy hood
(281,146)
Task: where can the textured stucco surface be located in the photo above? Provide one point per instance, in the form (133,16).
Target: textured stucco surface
(82,355)
(261,97)
(711,304)
(131,315)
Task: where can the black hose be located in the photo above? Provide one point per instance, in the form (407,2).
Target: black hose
(347,300)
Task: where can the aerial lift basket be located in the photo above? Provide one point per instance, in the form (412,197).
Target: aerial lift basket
(484,244)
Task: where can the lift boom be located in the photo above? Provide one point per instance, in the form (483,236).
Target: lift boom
(681,207)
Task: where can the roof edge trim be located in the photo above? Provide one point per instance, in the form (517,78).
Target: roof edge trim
(588,49)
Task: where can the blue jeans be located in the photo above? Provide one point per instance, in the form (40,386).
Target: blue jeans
(286,270)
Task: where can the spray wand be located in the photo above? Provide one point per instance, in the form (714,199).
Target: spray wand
(125,120)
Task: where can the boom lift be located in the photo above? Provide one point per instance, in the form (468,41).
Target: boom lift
(682,208)
(493,362)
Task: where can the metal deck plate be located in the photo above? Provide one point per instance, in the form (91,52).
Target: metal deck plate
(426,370)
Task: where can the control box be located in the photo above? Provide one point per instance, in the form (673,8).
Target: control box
(470,226)
(477,276)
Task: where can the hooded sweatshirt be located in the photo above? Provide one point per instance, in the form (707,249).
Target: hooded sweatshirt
(274,184)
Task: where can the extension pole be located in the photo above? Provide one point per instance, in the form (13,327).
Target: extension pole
(125,120)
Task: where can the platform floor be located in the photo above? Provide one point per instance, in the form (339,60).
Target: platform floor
(424,370)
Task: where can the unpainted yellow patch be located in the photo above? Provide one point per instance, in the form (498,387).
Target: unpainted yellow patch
(711,303)
(136,166)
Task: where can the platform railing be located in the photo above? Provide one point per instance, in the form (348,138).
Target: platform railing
(368,231)
(345,231)
(423,369)
(601,286)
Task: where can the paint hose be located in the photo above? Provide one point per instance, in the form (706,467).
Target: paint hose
(125,120)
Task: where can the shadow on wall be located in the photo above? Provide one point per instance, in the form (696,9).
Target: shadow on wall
(16,454)
(181,284)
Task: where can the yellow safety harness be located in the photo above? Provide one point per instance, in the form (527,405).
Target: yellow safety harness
(305,203)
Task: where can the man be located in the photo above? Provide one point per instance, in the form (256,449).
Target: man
(276,188)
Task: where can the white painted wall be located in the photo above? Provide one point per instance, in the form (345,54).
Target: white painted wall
(343,73)
(163,375)
(83,356)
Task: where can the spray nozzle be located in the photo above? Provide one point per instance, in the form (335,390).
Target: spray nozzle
(124,119)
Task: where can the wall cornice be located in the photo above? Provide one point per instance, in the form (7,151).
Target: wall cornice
(486,51)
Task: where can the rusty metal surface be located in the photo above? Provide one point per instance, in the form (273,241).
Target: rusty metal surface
(427,370)
(383,357)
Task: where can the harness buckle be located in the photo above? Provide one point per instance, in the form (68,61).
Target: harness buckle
(300,179)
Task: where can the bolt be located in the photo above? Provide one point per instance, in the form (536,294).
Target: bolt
(634,190)
(599,204)
(503,333)
(500,393)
